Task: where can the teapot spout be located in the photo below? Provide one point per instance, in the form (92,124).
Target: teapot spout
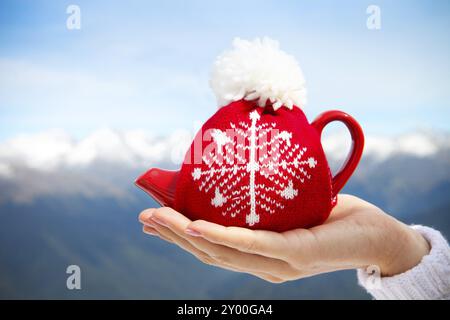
(160,184)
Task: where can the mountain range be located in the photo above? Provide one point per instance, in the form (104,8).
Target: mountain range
(65,201)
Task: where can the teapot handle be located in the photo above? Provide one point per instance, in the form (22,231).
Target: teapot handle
(356,133)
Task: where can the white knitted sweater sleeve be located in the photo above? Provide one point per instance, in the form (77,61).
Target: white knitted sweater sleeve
(430,279)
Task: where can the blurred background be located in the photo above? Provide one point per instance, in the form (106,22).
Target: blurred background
(92,93)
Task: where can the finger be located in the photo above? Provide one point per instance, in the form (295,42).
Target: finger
(167,234)
(205,258)
(177,223)
(153,232)
(145,215)
(184,244)
(264,276)
(150,226)
(261,242)
(150,230)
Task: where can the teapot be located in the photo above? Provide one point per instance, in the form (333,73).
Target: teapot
(257,162)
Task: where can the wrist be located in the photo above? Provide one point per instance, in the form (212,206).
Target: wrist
(406,249)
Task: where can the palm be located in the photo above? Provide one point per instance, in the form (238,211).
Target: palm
(352,227)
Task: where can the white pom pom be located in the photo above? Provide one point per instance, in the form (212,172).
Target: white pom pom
(258,70)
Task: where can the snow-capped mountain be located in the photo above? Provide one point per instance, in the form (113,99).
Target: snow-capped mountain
(65,201)
(420,143)
(106,161)
(52,150)
(102,164)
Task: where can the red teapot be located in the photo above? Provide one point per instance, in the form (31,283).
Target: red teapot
(257,162)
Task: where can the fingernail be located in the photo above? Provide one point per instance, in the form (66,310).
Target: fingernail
(193,233)
(159,221)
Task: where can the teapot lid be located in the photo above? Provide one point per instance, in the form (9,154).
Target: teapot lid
(258,70)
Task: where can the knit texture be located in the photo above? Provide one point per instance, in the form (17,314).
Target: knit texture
(430,279)
(257,168)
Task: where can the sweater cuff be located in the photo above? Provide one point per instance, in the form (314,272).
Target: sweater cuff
(430,279)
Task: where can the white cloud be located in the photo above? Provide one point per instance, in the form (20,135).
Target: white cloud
(55,149)
(106,162)
(5,170)
(42,151)
(379,147)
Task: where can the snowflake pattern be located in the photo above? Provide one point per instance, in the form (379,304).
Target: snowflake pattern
(250,150)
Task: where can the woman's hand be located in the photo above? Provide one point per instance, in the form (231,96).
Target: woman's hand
(356,235)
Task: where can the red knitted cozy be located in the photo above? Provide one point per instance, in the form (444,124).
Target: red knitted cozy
(256,168)
(257,162)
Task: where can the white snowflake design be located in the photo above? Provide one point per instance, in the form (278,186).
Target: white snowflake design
(246,149)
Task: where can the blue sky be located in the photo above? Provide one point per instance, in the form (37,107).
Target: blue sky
(145,64)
